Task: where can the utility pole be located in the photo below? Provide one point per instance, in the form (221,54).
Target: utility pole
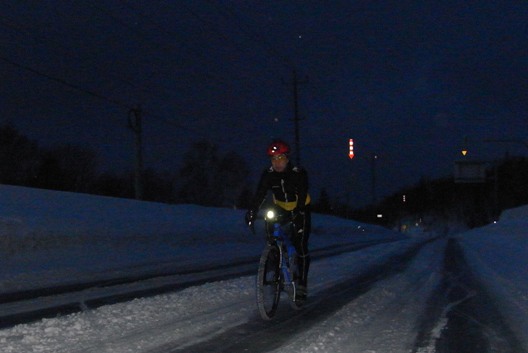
(296,117)
(374,158)
(134,123)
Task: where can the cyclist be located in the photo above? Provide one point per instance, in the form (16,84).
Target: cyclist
(289,186)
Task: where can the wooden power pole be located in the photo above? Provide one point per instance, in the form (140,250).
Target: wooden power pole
(134,123)
(296,117)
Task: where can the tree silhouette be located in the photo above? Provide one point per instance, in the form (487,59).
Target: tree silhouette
(212,180)
(19,157)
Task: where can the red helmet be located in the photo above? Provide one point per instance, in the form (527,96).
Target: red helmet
(278,147)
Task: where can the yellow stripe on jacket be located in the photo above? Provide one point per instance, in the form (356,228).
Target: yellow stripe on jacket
(289,205)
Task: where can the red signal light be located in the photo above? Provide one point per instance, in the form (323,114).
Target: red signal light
(351,148)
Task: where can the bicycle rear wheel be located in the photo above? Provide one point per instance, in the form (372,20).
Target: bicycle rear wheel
(268,282)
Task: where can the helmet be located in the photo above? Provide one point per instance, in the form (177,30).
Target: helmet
(278,147)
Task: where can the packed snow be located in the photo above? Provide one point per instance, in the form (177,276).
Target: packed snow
(54,238)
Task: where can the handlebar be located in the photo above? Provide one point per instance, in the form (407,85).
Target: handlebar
(274,215)
(277,215)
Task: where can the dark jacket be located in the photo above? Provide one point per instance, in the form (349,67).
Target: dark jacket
(289,188)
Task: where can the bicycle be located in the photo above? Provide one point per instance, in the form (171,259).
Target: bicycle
(277,271)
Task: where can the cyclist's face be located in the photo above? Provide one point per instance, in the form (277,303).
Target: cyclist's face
(279,162)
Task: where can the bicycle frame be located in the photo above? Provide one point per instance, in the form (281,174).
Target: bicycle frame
(277,267)
(284,243)
(288,254)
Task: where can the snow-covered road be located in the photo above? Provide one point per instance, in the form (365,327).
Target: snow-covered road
(365,301)
(353,308)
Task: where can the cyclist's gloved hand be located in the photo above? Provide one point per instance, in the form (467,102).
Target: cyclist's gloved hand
(251,215)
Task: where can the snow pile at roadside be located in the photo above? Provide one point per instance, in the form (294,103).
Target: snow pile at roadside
(498,255)
(49,237)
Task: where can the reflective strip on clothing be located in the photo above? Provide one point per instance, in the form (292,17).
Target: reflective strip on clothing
(289,205)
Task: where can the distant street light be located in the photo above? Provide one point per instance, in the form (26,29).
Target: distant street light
(475,172)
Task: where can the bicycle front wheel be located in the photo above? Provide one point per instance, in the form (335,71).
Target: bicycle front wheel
(268,282)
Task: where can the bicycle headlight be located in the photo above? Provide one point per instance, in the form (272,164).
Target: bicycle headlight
(270,215)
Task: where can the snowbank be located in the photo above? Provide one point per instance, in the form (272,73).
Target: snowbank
(498,254)
(46,236)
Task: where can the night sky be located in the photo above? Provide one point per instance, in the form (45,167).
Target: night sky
(408,80)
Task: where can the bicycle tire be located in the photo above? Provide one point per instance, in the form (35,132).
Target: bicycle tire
(268,282)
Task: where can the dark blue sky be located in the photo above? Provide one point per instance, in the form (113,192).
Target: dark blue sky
(408,80)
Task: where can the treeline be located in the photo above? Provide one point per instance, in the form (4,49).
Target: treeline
(209,178)
(205,178)
(442,201)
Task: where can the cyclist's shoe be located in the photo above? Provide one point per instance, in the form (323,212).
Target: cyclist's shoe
(301,293)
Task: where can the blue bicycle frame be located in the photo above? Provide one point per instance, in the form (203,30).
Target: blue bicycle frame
(281,219)
(285,259)
(277,267)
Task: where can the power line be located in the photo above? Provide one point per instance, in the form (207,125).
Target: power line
(39,38)
(66,83)
(44,36)
(16,27)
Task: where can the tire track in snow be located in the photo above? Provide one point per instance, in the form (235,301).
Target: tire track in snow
(260,336)
(462,317)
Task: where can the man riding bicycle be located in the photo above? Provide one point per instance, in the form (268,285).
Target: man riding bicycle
(289,186)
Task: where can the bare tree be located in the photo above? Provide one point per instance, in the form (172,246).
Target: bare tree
(211,180)
(19,157)
(67,167)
